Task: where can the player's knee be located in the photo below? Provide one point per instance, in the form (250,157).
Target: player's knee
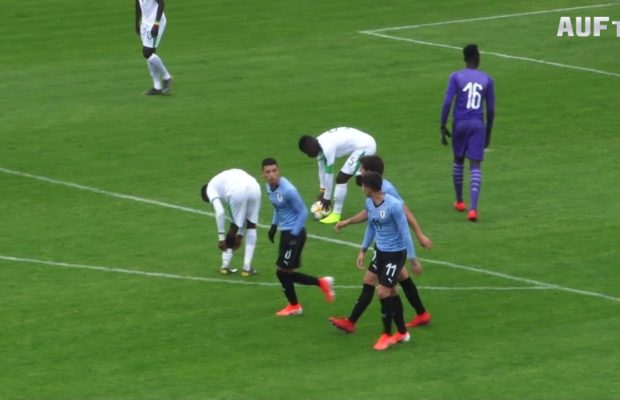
(403,275)
(459,160)
(370,278)
(343,178)
(384,292)
(147,52)
(250,225)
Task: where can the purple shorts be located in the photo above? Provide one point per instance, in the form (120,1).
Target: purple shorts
(468,139)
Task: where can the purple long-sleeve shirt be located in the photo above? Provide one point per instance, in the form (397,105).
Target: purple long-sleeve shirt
(471,88)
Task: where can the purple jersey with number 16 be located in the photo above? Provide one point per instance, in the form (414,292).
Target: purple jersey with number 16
(472,88)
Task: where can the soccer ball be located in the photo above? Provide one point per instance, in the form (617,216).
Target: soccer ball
(318,212)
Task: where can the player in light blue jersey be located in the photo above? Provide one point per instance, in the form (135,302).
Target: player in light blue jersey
(375,164)
(387,226)
(290,215)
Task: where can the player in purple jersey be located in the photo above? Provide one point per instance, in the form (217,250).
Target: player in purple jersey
(470,137)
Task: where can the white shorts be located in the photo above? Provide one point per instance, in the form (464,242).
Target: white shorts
(352,165)
(145,34)
(244,204)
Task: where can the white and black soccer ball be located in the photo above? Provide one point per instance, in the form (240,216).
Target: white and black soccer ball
(318,212)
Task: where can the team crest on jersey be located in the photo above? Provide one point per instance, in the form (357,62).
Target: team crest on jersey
(279,197)
(382,214)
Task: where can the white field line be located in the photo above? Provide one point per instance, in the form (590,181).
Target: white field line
(325,239)
(377,33)
(492,17)
(492,53)
(240,282)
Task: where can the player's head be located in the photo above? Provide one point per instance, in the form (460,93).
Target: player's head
(371,163)
(203,192)
(471,55)
(371,183)
(271,171)
(309,145)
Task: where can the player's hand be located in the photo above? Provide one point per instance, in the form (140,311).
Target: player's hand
(340,225)
(238,241)
(327,204)
(445,134)
(360,260)
(320,196)
(272,232)
(425,242)
(221,245)
(155,30)
(416,267)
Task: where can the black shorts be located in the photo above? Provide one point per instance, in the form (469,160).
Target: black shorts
(289,256)
(387,265)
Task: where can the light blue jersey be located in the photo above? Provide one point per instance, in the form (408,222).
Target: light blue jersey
(388,188)
(290,211)
(387,225)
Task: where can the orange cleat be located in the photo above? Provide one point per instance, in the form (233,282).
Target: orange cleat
(384,342)
(419,320)
(290,310)
(327,287)
(472,215)
(460,206)
(343,324)
(401,337)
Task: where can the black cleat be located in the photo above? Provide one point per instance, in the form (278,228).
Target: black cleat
(153,92)
(167,85)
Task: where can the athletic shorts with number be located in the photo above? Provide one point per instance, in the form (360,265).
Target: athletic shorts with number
(145,33)
(387,266)
(244,203)
(290,256)
(468,139)
(352,165)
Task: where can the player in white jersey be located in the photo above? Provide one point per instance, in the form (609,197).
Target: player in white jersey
(239,193)
(326,148)
(150,26)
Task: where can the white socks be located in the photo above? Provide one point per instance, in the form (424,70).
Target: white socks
(157,70)
(227,258)
(250,245)
(340,192)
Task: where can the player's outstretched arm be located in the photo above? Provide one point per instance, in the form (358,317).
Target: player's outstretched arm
(356,219)
(423,239)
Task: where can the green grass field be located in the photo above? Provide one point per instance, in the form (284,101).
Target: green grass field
(525,304)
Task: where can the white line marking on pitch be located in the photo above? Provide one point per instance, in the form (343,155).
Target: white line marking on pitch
(376,32)
(492,17)
(240,282)
(326,239)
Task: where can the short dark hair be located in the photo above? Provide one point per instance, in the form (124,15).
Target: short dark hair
(304,141)
(471,52)
(373,181)
(268,161)
(372,163)
(203,192)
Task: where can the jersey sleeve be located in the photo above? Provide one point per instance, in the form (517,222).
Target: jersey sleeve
(212,192)
(403,229)
(368,236)
(447,101)
(490,101)
(296,203)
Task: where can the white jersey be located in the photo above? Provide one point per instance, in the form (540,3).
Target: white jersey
(240,192)
(342,141)
(229,183)
(149,11)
